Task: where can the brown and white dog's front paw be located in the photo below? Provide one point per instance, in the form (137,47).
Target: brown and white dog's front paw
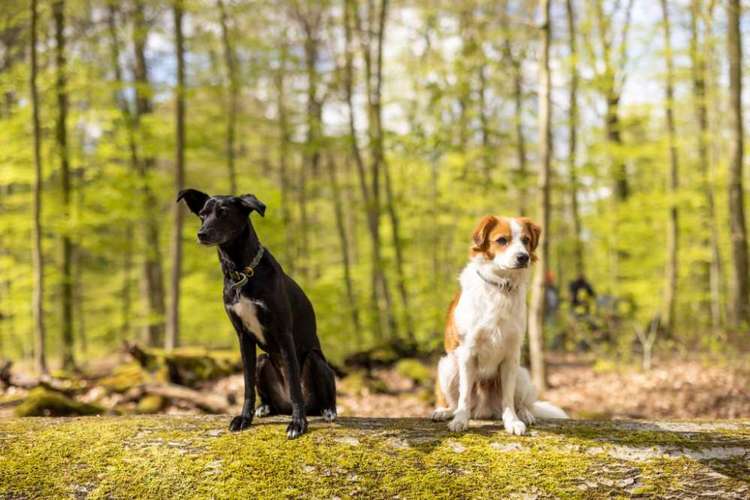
(442,414)
(526,416)
(514,426)
(460,422)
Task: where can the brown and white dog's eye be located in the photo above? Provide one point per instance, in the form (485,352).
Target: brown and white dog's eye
(502,240)
(525,240)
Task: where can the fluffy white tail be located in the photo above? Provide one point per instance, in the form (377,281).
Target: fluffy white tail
(543,409)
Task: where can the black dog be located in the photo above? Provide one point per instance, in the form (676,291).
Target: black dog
(266,307)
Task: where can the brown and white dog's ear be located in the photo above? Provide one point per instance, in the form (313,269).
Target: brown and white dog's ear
(535,233)
(481,235)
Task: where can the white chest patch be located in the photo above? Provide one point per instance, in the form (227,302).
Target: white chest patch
(491,323)
(247,310)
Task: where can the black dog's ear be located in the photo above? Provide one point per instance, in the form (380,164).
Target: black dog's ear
(250,202)
(195,199)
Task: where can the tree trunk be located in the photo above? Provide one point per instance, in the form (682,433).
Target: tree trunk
(516,70)
(309,17)
(380,295)
(173,321)
(484,123)
(233,102)
(670,285)
(344,244)
(740,286)
(37,306)
(153,286)
(712,269)
(122,103)
(536,312)
(283,122)
(619,171)
(61,137)
(389,196)
(573,140)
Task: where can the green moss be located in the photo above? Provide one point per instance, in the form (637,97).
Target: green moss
(196,457)
(359,383)
(125,377)
(414,370)
(43,402)
(190,365)
(150,404)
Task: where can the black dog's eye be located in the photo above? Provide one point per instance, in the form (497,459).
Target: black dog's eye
(220,211)
(502,240)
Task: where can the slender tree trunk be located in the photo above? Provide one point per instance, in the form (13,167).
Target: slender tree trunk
(61,136)
(516,70)
(283,122)
(122,104)
(740,286)
(573,140)
(338,209)
(484,122)
(37,300)
(380,296)
(153,286)
(79,294)
(614,137)
(377,139)
(523,169)
(389,196)
(233,101)
(309,17)
(125,300)
(173,320)
(670,285)
(536,311)
(712,271)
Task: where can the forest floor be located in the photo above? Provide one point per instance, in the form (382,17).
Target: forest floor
(676,388)
(685,388)
(587,388)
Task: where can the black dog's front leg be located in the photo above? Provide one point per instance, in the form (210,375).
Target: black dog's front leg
(247,349)
(298,425)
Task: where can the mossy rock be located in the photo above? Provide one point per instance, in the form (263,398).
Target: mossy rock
(196,457)
(43,402)
(196,365)
(188,366)
(149,404)
(125,377)
(359,383)
(415,371)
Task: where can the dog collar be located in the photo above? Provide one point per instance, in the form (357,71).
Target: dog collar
(505,286)
(241,277)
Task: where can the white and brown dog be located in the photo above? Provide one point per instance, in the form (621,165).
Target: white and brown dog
(480,376)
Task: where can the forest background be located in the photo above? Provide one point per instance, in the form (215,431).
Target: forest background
(377,133)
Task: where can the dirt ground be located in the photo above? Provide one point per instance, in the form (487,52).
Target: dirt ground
(672,389)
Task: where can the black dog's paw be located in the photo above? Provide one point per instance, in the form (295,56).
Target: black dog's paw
(262,411)
(297,427)
(239,423)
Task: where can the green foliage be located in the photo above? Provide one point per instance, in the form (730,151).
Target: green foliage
(450,147)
